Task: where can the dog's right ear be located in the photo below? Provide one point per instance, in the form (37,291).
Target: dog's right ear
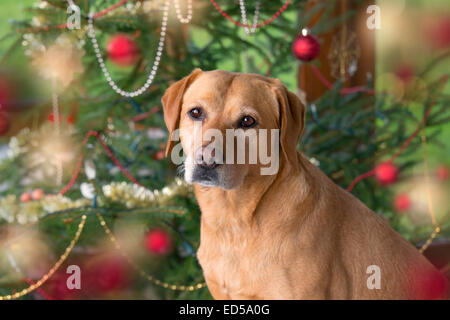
(172,102)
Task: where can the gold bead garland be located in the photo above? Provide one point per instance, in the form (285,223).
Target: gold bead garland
(47,276)
(141,271)
(437,229)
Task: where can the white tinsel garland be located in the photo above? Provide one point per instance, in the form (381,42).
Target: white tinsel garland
(14,211)
(130,195)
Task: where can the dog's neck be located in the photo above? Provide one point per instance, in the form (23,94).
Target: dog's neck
(249,203)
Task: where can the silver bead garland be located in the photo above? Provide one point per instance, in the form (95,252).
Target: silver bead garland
(244,17)
(178,11)
(156,62)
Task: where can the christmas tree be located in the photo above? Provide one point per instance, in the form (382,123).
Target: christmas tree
(83,178)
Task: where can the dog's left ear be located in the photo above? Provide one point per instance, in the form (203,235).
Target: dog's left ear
(172,102)
(292,120)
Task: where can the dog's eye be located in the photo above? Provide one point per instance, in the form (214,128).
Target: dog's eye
(247,122)
(196,113)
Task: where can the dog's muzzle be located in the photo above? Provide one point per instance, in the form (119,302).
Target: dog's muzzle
(205,169)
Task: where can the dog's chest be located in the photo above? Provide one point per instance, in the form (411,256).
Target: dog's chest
(237,266)
(227,270)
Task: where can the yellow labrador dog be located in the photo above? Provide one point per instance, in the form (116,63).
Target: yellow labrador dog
(293,234)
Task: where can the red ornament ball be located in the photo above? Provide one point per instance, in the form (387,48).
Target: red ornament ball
(442,172)
(306,48)
(57,288)
(4,123)
(402,202)
(70,119)
(439,33)
(107,274)
(159,242)
(51,117)
(37,194)
(25,197)
(122,50)
(405,73)
(429,285)
(386,173)
(159,155)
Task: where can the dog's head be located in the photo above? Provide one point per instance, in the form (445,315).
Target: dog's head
(221,116)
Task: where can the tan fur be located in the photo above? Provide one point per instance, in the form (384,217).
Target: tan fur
(294,235)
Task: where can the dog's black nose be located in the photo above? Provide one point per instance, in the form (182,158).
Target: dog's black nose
(207,158)
(208,166)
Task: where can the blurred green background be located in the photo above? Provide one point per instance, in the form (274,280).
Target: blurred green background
(16,10)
